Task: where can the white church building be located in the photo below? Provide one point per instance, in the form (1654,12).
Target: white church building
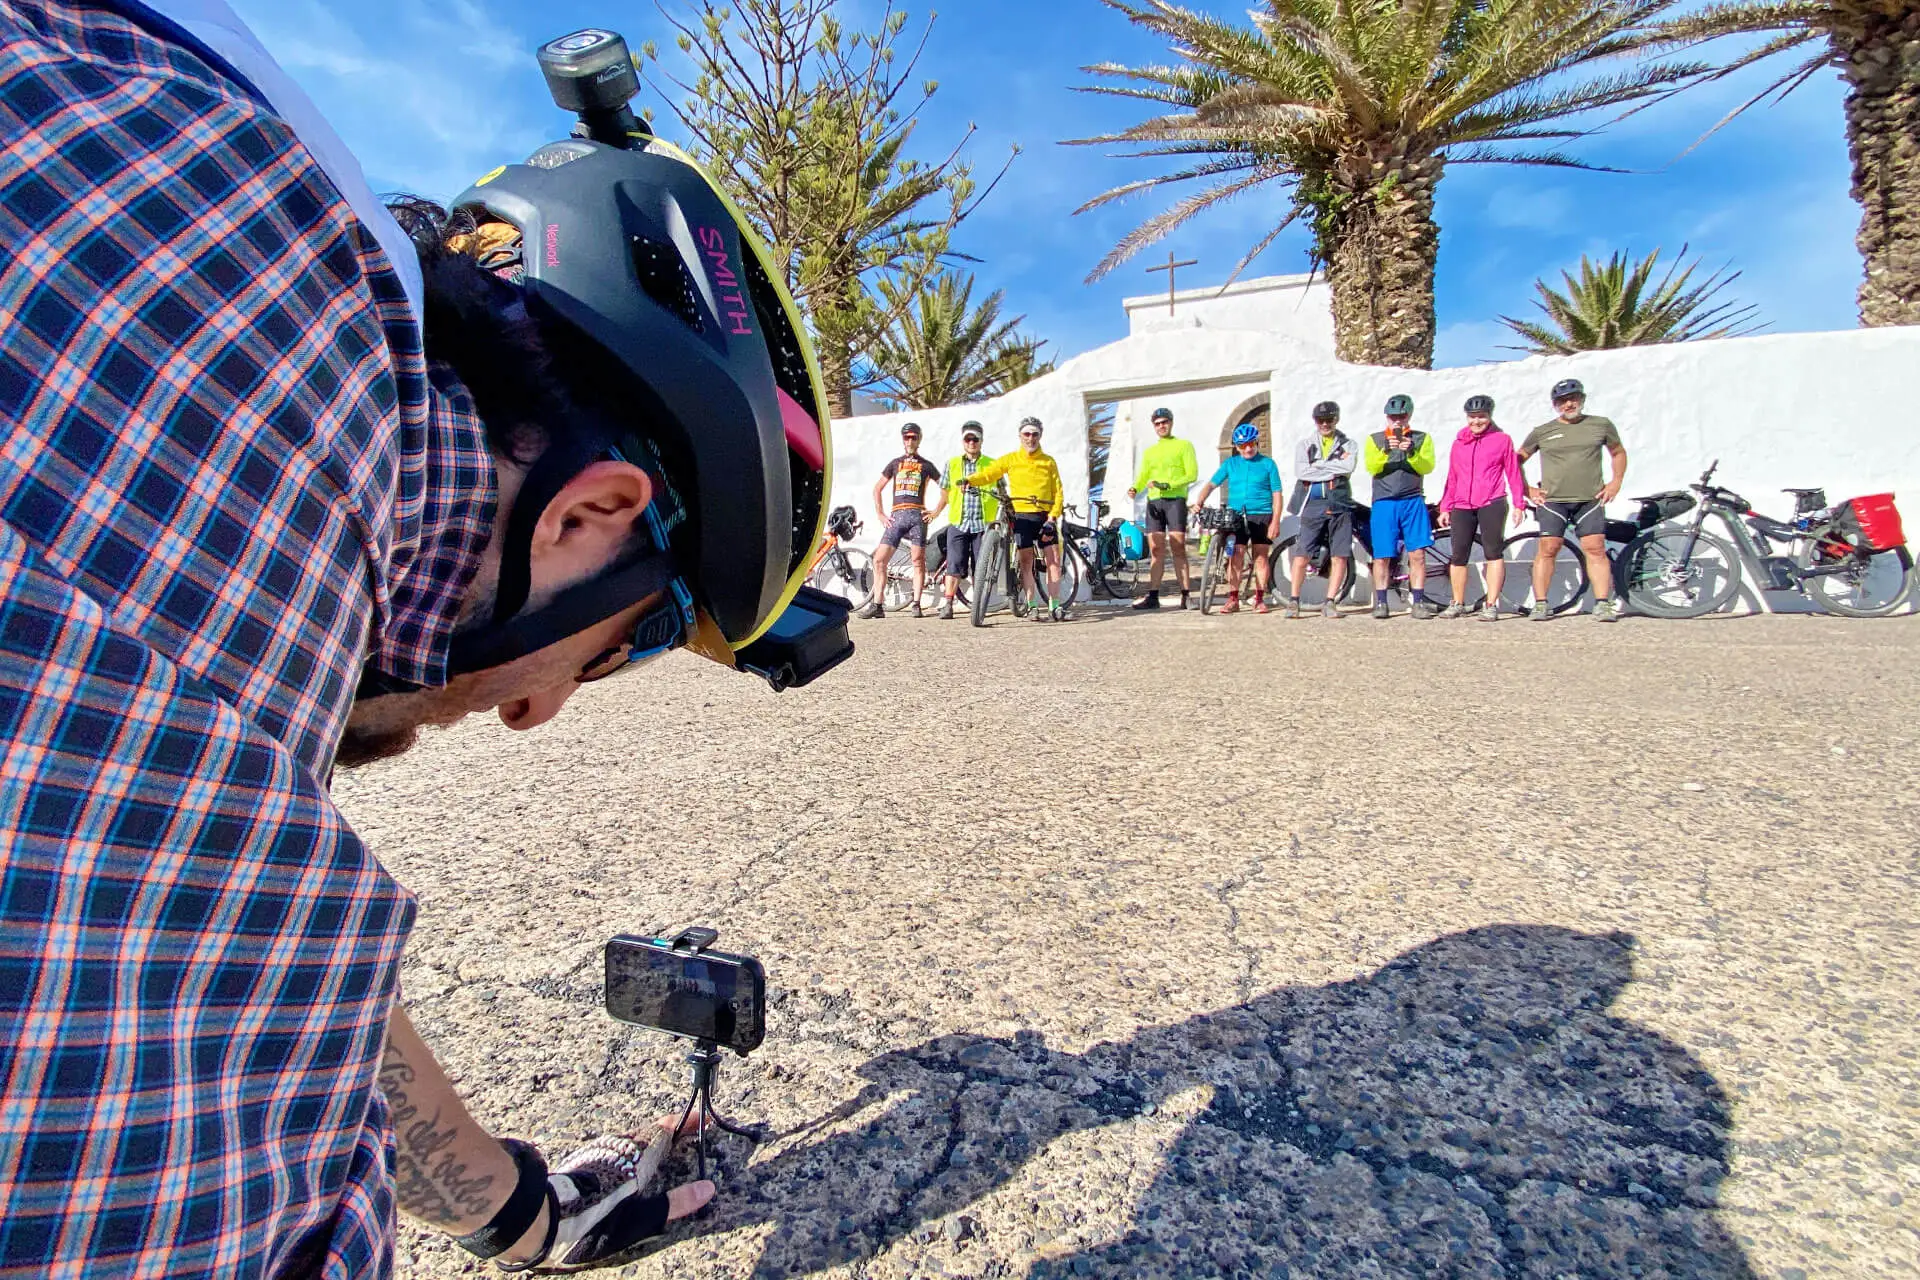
(1777,410)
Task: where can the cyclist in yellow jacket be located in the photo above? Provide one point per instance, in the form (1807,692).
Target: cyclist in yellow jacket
(1037,498)
(1168,469)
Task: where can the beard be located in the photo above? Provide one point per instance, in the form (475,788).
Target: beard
(359,747)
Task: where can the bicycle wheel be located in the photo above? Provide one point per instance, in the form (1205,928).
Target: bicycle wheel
(1871,588)
(846,572)
(1069,578)
(1564,589)
(1661,579)
(899,587)
(989,565)
(1216,569)
(1313,586)
(1110,570)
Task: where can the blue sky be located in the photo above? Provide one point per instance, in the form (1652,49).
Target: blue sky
(430,95)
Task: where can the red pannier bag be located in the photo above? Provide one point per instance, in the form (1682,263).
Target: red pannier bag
(1871,523)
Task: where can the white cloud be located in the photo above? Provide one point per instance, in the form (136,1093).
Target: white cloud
(444,97)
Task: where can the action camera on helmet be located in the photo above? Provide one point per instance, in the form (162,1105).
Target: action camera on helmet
(675,313)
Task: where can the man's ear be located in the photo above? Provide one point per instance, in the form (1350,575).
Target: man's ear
(591,519)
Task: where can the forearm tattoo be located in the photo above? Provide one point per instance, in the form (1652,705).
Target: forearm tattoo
(430,1178)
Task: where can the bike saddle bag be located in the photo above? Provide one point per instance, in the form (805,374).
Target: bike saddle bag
(1622,530)
(1668,505)
(1871,523)
(1807,501)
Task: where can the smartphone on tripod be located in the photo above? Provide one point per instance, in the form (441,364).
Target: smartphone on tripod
(677,986)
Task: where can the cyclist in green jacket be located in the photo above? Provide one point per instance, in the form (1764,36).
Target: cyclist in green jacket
(972,510)
(1167,470)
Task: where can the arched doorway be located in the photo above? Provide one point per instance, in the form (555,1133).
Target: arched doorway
(1254,409)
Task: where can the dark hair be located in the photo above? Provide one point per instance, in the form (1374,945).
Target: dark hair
(477,325)
(530,383)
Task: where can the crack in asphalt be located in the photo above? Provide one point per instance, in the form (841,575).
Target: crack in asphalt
(1249,955)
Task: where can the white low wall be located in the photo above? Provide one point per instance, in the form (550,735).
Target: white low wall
(1803,409)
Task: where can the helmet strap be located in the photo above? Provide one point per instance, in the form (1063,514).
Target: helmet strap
(570,612)
(550,473)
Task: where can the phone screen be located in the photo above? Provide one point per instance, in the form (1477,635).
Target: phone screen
(704,996)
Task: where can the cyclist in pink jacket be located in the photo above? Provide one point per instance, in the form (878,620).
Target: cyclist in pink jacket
(1482,471)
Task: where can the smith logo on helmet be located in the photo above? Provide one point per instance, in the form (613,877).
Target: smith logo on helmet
(721,264)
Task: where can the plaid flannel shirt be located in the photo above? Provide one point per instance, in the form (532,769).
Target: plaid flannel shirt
(227,480)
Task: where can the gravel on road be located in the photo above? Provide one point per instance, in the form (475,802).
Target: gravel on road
(1166,945)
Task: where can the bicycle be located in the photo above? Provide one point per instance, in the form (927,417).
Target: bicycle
(996,572)
(1570,579)
(1226,530)
(838,569)
(1850,559)
(1104,563)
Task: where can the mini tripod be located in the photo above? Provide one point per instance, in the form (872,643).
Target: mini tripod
(705,1062)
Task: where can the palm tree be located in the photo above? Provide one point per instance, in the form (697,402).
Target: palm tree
(944,350)
(1353,109)
(1611,305)
(1875,45)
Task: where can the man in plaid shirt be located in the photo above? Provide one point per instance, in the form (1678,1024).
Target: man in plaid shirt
(235,489)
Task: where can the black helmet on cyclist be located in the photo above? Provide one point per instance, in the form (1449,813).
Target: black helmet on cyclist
(1568,387)
(640,253)
(971,431)
(1163,415)
(1326,411)
(909,429)
(1245,433)
(1397,405)
(1479,404)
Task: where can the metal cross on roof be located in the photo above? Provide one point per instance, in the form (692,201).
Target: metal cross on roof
(1169,267)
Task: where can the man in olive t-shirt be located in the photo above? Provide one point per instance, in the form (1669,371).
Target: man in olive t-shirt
(1571,492)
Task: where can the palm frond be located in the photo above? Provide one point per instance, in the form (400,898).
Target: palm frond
(1162,223)
(1620,304)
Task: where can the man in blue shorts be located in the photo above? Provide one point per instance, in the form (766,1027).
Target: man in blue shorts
(1399,460)
(1250,481)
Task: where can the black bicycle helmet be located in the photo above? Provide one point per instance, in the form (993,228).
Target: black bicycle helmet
(1568,387)
(1326,411)
(639,252)
(971,428)
(909,429)
(1479,404)
(1397,405)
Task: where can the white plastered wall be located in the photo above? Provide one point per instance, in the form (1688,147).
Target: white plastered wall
(1776,410)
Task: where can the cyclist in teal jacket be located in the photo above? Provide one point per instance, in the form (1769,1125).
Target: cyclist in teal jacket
(1250,481)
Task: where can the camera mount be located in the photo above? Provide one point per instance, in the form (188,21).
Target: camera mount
(590,73)
(704,1063)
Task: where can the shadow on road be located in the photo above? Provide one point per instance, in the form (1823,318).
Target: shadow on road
(1471,1108)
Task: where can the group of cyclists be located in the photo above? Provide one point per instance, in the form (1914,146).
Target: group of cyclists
(1033,491)
(1485,490)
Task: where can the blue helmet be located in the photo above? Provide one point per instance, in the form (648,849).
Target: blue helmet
(1245,433)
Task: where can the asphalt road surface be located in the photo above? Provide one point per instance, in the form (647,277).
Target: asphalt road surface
(1162,945)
